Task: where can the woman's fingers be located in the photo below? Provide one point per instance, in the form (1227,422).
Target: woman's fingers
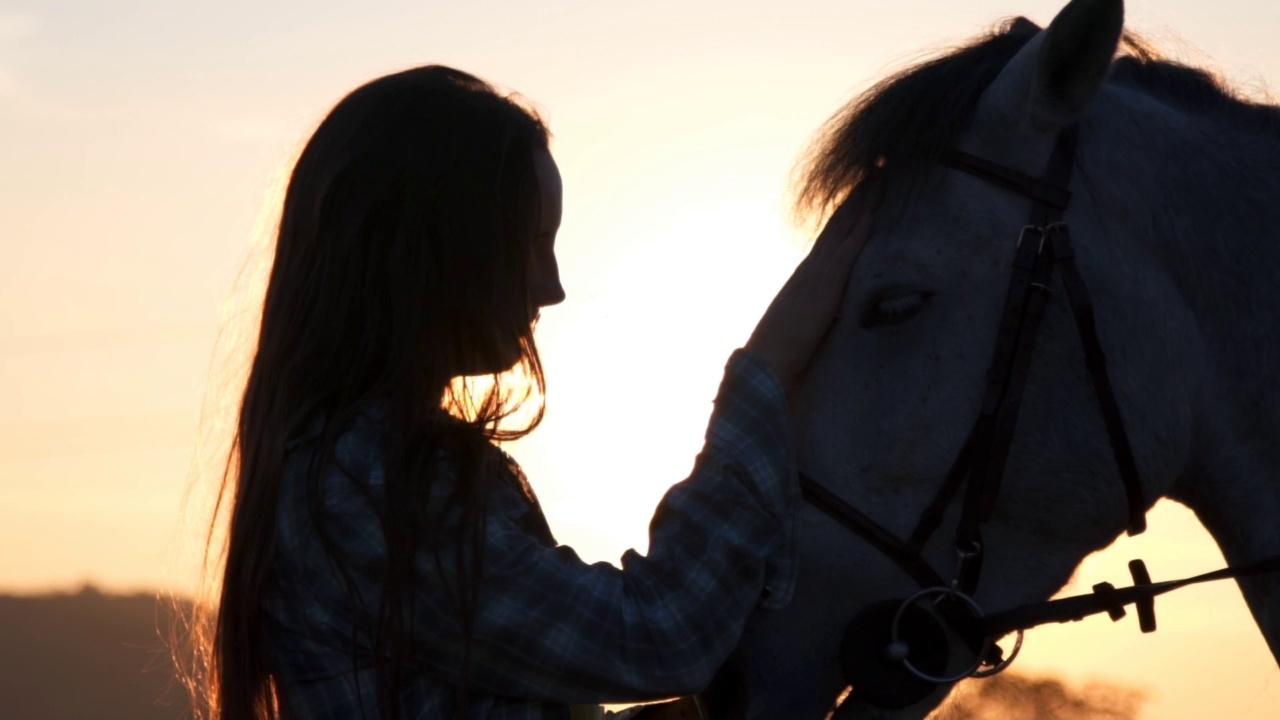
(837,227)
(805,308)
(843,244)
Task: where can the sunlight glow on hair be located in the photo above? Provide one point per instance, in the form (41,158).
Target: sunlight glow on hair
(205,510)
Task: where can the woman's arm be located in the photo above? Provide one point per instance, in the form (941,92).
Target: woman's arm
(548,626)
(554,628)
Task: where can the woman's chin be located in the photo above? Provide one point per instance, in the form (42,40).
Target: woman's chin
(489,366)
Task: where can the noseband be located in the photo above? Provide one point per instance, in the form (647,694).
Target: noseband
(896,652)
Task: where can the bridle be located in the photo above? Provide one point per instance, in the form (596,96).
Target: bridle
(894,653)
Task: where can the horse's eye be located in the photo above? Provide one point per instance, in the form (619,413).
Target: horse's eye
(893,306)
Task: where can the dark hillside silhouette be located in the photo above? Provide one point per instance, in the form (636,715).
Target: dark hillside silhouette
(86,656)
(92,656)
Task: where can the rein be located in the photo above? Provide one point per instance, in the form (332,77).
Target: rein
(894,653)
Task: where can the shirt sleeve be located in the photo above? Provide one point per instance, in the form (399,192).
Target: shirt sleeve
(548,626)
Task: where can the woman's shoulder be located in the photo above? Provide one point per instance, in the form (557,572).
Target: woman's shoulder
(368,440)
(352,481)
(350,456)
(365,424)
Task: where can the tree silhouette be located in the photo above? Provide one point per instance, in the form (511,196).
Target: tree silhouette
(1019,697)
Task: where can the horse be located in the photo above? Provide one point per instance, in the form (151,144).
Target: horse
(1172,215)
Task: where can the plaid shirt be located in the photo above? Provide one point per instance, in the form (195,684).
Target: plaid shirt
(549,629)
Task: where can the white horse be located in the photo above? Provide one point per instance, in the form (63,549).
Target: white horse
(1174,216)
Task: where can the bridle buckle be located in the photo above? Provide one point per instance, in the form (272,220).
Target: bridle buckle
(989,658)
(965,557)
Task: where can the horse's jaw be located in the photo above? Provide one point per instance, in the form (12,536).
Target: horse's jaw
(787,664)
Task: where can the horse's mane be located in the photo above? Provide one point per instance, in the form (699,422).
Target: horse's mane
(901,126)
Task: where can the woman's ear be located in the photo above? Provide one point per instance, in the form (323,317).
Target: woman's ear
(1052,80)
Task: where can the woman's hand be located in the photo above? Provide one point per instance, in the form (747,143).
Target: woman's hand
(806,307)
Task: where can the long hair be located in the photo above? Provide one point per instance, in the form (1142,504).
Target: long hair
(399,278)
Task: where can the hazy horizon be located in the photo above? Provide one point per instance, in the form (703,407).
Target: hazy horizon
(141,146)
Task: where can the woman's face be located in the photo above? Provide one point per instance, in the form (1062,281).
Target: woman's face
(544,273)
(543,279)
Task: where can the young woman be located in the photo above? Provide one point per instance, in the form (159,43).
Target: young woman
(384,559)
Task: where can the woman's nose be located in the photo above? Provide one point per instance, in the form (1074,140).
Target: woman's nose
(552,294)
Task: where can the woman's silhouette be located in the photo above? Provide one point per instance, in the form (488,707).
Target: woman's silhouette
(384,559)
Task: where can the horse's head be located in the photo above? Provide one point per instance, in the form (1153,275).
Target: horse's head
(887,405)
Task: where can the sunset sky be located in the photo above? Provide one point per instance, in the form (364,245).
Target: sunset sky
(142,143)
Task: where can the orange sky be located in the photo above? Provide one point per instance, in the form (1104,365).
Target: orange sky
(139,140)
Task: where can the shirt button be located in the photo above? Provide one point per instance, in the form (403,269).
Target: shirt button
(766,592)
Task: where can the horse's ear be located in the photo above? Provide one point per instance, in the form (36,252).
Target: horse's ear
(1052,80)
(1023,26)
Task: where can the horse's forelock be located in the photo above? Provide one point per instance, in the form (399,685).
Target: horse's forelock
(902,125)
(899,128)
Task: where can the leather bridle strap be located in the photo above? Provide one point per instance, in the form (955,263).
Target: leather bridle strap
(1096,361)
(1050,193)
(866,528)
(1045,192)
(1024,306)
(1006,380)
(931,518)
(1108,599)
(1002,375)
(1051,196)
